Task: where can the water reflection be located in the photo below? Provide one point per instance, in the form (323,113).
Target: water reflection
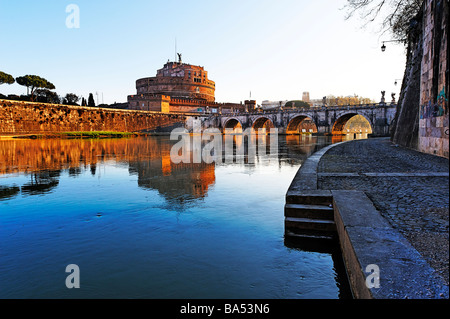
(148,158)
(41,182)
(43,161)
(349,137)
(130,233)
(7,192)
(179,184)
(331,248)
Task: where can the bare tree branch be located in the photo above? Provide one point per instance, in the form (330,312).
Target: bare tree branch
(394,15)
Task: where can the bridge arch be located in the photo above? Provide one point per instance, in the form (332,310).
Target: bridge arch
(233,124)
(299,123)
(339,126)
(263,123)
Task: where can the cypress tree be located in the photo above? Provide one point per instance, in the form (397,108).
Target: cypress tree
(91,101)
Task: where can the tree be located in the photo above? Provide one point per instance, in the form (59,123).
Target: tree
(332,100)
(47,96)
(298,104)
(6,78)
(71,99)
(396,15)
(83,102)
(34,82)
(91,101)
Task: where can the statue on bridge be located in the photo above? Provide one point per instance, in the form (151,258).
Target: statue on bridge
(393,98)
(383,99)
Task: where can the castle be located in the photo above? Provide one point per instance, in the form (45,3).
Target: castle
(181,87)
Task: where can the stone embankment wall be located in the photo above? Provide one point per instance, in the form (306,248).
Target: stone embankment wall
(37,118)
(433,123)
(422,120)
(405,127)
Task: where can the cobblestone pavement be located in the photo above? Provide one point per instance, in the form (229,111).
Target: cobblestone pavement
(412,193)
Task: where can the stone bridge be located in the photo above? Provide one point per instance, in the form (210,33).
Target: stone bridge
(327,120)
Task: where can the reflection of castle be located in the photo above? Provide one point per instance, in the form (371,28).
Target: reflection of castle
(43,160)
(176,182)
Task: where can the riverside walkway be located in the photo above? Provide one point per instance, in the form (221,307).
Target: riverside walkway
(392,209)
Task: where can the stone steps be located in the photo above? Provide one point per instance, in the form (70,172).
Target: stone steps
(310,224)
(309,211)
(313,236)
(309,198)
(309,215)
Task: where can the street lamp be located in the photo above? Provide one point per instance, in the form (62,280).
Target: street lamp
(383,47)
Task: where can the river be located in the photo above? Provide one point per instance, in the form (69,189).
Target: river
(139,226)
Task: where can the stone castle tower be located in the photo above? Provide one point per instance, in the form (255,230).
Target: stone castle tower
(176,80)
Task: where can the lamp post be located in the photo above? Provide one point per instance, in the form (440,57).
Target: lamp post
(383,47)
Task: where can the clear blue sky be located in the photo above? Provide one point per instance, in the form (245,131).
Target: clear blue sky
(275,49)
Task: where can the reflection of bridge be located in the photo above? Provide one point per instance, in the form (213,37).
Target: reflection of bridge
(328,120)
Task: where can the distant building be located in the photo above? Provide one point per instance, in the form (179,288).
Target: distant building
(267,105)
(250,105)
(179,87)
(305,97)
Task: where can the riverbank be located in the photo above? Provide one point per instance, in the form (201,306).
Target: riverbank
(27,118)
(392,209)
(69,135)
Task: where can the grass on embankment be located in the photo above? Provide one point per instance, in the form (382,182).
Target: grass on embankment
(102,134)
(74,135)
